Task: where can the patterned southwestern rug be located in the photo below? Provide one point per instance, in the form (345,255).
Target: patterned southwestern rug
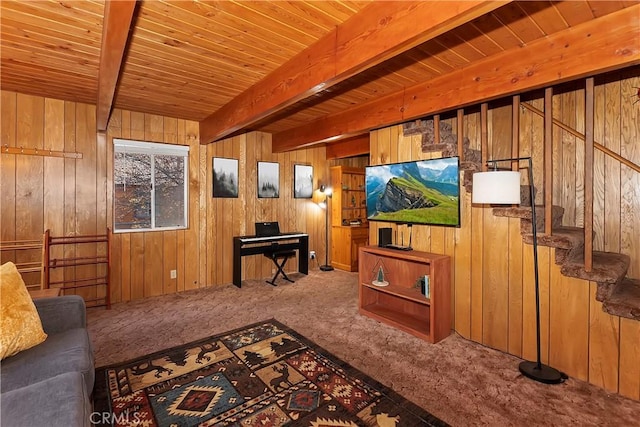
(264,375)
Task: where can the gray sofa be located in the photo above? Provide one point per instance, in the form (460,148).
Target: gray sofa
(51,384)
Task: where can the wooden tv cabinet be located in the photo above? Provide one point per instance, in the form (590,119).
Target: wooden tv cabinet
(400,303)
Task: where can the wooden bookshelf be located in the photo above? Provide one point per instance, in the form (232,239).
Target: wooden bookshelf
(401,304)
(349,229)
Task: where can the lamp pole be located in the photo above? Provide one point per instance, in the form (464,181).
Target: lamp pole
(326,266)
(535,370)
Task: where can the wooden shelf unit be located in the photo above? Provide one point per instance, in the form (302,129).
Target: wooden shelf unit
(30,266)
(348,200)
(102,261)
(401,304)
(348,204)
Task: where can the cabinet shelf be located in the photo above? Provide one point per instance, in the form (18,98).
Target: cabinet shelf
(411,294)
(401,304)
(414,323)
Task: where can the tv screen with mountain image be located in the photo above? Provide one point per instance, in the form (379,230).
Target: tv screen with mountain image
(417,192)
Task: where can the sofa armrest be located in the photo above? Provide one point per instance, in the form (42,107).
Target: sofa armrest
(59,314)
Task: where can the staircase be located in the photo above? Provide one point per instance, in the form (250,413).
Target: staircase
(620,295)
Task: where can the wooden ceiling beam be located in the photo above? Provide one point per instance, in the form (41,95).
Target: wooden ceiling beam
(118,16)
(380,31)
(354,146)
(585,50)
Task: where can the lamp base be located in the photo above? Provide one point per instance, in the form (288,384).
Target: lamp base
(326,268)
(543,373)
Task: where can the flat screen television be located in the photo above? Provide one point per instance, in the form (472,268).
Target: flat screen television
(416,192)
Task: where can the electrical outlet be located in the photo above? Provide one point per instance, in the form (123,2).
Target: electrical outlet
(312,254)
(174,274)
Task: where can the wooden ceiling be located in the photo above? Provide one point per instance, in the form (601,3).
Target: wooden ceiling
(306,71)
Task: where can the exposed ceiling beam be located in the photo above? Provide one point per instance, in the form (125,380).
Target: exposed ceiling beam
(380,31)
(595,47)
(115,33)
(355,146)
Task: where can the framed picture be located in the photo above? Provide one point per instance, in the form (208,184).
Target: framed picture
(225,177)
(268,180)
(302,181)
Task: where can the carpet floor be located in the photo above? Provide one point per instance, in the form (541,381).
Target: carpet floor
(457,380)
(264,374)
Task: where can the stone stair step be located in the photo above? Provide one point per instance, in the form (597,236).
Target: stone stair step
(561,255)
(624,301)
(620,296)
(469,168)
(561,237)
(609,269)
(524,213)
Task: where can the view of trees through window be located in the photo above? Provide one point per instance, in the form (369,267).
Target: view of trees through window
(149,191)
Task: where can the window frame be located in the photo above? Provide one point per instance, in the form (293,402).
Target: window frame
(152,149)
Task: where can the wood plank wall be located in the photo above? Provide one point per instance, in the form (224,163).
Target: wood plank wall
(202,255)
(493,306)
(66,196)
(142,261)
(71,196)
(493,287)
(228,217)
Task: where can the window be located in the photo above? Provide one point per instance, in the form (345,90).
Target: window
(150,186)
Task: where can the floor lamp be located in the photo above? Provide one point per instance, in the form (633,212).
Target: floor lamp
(324,203)
(503,187)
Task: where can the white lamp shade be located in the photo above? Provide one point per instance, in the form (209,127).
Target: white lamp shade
(496,187)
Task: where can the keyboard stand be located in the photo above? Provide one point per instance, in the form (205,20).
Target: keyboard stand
(283,256)
(254,245)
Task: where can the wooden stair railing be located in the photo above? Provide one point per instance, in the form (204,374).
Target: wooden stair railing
(577,134)
(619,295)
(590,144)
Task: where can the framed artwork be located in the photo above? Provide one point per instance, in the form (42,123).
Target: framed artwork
(302,181)
(268,180)
(225,177)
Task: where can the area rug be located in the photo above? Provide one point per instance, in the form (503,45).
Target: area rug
(264,374)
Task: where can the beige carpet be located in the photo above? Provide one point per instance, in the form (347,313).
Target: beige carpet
(459,381)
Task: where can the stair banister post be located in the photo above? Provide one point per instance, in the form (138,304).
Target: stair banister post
(588,176)
(547,178)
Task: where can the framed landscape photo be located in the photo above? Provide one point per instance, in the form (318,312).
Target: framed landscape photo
(268,180)
(302,181)
(225,177)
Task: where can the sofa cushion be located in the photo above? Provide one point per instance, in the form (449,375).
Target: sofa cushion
(58,401)
(67,351)
(20,326)
(58,314)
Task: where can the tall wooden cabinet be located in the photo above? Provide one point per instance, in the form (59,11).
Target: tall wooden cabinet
(350,229)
